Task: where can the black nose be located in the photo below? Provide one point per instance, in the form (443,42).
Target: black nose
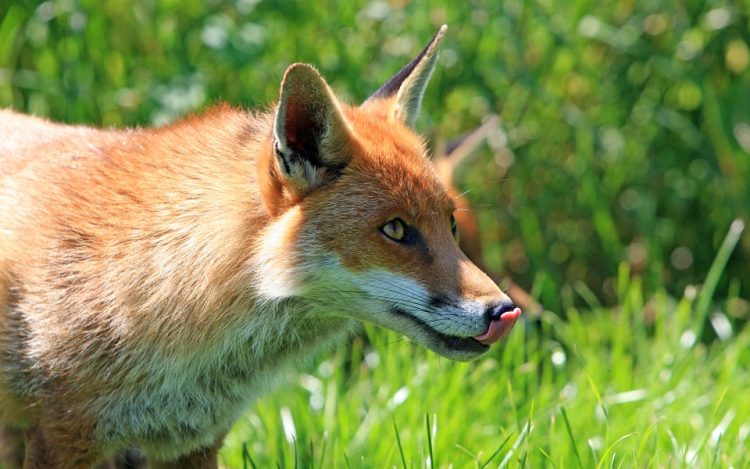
(494,312)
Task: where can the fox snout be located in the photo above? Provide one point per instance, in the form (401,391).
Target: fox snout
(453,323)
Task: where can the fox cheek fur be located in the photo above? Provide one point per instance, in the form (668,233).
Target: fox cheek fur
(153,282)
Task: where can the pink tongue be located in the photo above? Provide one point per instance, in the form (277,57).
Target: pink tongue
(499,328)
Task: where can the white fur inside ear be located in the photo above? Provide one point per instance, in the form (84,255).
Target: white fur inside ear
(300,173)
(280,147)
(409,98)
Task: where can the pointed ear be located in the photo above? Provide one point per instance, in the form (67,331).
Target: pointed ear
(311,134)
(406,88)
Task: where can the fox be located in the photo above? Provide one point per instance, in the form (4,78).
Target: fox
(154,282)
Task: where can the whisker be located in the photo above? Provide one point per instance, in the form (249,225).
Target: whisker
(412,304)
(399,289)
(461,195)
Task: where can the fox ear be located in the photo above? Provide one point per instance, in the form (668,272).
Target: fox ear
(311,134)
(405,89)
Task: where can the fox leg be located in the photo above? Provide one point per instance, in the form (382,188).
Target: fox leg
(205,458)
(12,447)
(51,447)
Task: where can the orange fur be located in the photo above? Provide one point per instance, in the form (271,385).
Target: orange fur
(153,282)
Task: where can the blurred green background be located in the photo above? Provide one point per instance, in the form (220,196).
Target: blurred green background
(626,125)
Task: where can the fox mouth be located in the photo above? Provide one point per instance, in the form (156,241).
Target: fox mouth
(450,343)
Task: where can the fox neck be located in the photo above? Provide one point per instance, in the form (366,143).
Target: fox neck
(284,331)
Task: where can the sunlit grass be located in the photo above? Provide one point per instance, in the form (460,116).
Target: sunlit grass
(625,133)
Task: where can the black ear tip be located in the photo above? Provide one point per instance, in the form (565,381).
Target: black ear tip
(392,86)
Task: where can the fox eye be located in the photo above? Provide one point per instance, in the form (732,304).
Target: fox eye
(394,229)
(454,228)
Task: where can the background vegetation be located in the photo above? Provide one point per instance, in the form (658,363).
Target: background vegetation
(623,160)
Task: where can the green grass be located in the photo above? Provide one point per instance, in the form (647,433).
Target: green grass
(628,386)
(626,135)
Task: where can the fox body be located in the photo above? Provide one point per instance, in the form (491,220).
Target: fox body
(153,282)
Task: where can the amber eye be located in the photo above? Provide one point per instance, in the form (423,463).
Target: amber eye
(454,228)
(394,229)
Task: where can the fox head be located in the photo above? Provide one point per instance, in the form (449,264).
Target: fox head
(361,224)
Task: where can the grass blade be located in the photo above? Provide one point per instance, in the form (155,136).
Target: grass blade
(296,456)
(323,450)
(521,438)
(604,456)
(714,274)
(499,448)
(548,458)
(246,458)
(572,439)
(471,455)
(716,451)
(400,448)
(708,435)
(597,395)
(523,461)
(429,441)
(675,445)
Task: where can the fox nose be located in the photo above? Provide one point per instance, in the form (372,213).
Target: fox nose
(495,311)
(501,318)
